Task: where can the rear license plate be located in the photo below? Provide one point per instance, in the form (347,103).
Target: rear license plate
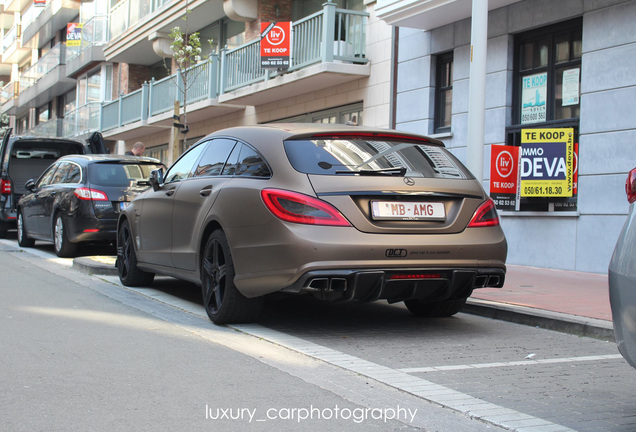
(391,210)
(123,205)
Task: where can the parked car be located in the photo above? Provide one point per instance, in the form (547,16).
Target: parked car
(341,212)
(622,280)
(23,158)
(78,199)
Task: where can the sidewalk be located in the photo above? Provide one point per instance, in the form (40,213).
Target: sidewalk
(569,301)
(566,301)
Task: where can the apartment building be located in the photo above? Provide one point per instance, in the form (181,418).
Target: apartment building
(561,65)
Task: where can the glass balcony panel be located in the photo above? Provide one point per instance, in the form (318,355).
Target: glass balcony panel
(9,38)
(46,64)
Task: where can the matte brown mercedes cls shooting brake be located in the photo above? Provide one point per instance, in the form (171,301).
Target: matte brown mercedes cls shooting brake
(341,212)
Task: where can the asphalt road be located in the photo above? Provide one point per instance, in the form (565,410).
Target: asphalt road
(84,353)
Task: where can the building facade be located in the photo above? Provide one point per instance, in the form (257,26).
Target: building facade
(567,65)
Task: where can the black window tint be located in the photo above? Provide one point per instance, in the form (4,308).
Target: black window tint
(350,156)
(116,174)
(61,173)
(232,161)
(182,168)
(214,157)
(46,177)
(252,164)
(74,174)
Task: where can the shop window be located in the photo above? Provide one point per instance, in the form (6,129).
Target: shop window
(443,92)
(546,110)
(548,74)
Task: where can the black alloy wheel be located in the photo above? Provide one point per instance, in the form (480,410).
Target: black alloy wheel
(23,237)
(129,274)
(223,303)
(62,245)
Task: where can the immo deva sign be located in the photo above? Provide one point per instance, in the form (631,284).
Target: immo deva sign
(543,167)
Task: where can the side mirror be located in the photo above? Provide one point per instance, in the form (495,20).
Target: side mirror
(30,185)
(156,179)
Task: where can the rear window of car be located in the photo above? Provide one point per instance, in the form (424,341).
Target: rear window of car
(364,156)
(119,174)
(44,150)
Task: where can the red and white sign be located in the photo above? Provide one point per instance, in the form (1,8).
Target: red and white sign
(275,45)
(504,176)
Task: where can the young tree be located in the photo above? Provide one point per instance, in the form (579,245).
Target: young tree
(186,49)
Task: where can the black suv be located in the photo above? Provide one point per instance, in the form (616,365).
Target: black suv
(23,158)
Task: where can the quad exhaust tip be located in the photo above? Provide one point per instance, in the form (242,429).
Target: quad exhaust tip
(328,284)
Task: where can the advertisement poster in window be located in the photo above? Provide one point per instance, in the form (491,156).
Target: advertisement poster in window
(547,162)
(570,87)
(504,176)
(73,34)
(275,45)
(534,90)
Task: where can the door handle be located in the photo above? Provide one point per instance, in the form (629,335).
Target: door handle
(206,191)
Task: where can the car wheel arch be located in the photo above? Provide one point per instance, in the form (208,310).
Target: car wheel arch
(207,232)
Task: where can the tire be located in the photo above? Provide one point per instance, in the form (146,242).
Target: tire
(129,274)
(438,309)
(223,303)
(23,237)
(62,245)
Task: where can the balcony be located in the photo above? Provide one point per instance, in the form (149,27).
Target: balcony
(15,5)
(236,79)
(12,49)
(82,121)
(9,98)
(46,79)
(49,21)
(50,128)
(94,38)
(150,108)
(135,24)
(318,61)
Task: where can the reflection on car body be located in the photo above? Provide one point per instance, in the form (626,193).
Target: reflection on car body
(622,279)
(78,199)
(295,208)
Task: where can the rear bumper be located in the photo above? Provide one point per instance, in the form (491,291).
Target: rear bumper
(397,285)
(91,229)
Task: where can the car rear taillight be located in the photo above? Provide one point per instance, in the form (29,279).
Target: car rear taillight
(485,215)
(630,186)
(5,186)
(298,208)
(90,194)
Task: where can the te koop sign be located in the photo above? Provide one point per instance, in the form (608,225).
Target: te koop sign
(547,162)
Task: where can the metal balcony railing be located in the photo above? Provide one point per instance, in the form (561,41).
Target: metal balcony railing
(53,58)
(326,36)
